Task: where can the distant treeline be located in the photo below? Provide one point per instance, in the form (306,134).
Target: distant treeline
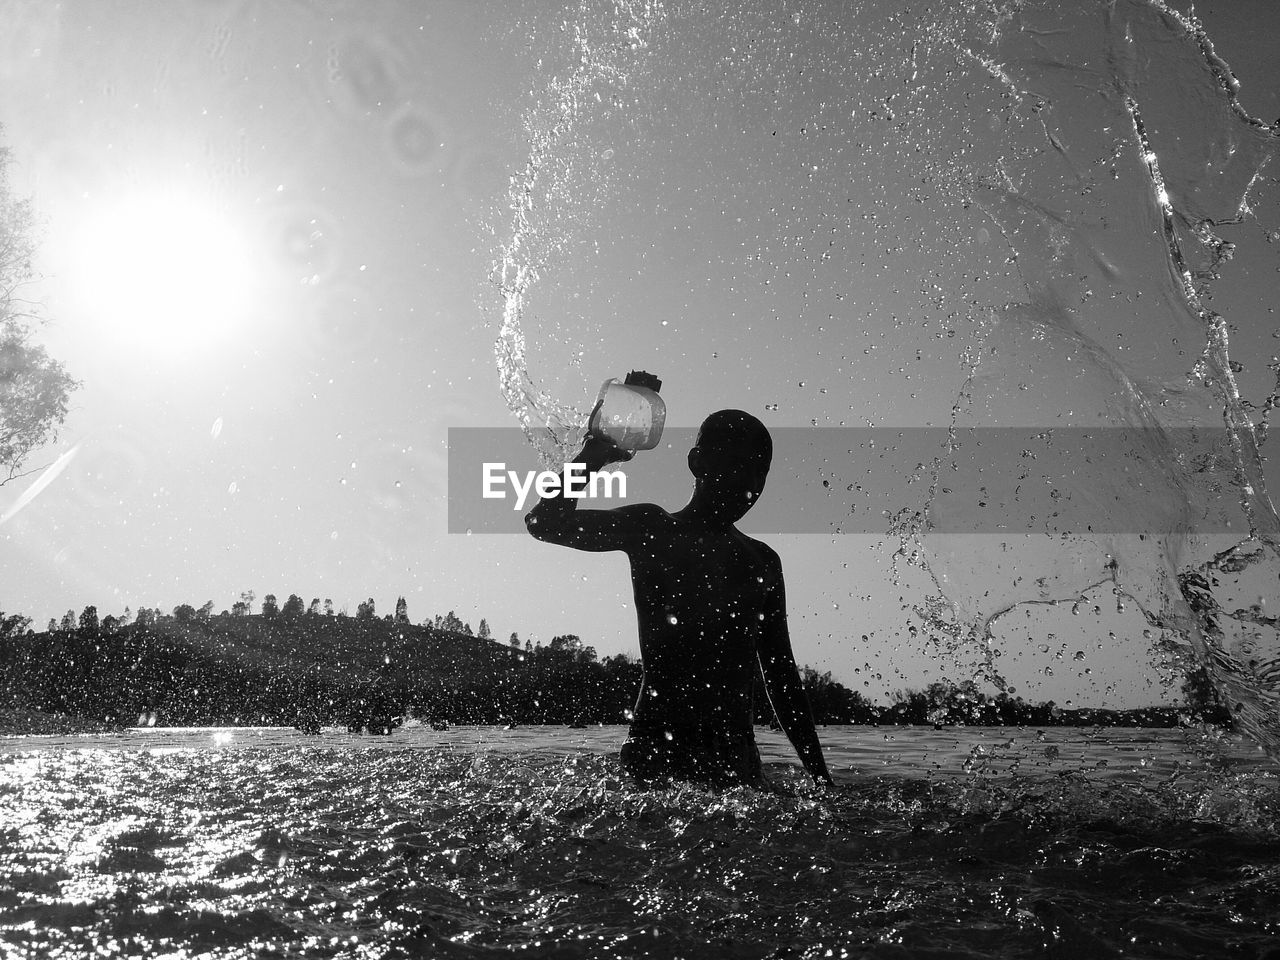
(948,704)
(308,669)
(297,665)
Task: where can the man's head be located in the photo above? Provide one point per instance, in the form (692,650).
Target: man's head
(730,461)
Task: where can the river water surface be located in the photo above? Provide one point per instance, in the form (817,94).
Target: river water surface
(479,842)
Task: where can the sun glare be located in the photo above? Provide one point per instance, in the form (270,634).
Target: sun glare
(163,272)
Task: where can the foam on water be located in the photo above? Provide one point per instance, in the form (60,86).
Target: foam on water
(1034,207)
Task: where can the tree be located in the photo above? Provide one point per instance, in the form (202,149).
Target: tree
(569,643)
(402,611)
(514,641)
(110,625)
(366,610)
(145,617)
(314,609)
(483,633)
(68,621)
(247,598)
(13,625)
(34,388)
(205,611)
(126,618)
(53,626)
(270,608)
(293,607)
(328,607)
(240,608)
(184,613)
(89,619)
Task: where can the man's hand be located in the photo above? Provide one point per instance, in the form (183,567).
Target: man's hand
(600,451)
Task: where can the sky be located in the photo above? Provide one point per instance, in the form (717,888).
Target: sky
(267,249)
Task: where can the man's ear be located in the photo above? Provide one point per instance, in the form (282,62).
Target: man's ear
(695,461)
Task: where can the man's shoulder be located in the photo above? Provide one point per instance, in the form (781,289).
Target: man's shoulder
(642,511)
(760,548)
(643,519)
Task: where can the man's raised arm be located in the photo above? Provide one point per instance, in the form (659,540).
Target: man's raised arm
(782,679)
(557,519)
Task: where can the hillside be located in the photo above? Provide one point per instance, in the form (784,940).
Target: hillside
(306,670)
(311,670)
(340,648)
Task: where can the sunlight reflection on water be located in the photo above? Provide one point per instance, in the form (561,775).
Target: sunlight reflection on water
(239,842)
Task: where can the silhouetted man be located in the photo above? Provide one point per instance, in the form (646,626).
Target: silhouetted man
(711,608)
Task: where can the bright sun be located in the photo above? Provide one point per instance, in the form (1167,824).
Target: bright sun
(162,271)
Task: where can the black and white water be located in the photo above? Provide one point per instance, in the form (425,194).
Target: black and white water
(478,842)
(1029,215)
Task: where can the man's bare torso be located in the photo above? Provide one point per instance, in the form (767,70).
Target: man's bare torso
(701,596)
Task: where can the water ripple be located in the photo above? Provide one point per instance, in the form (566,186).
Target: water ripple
(441,851)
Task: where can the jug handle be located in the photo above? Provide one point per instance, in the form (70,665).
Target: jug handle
(591,420)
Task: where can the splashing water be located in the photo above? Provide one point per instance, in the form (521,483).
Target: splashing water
(484,842)
(546,205)
(1119,173)
(1021,215)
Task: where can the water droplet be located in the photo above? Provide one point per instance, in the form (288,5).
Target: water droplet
(216,429)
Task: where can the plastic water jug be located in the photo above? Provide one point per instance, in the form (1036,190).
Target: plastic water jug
(630,413)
